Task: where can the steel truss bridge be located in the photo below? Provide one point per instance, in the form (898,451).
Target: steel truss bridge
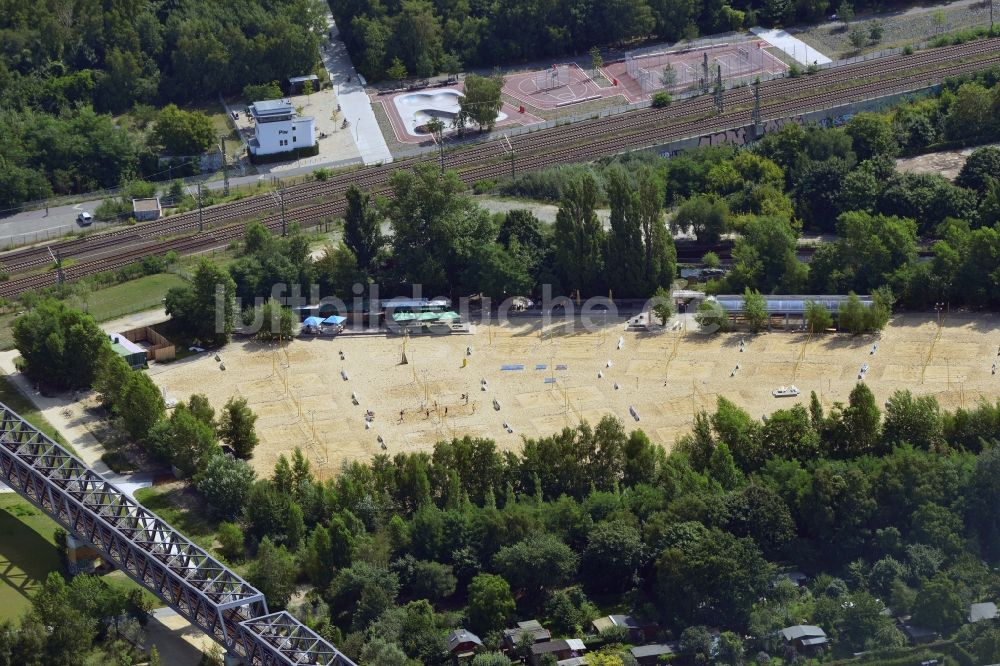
(154,554)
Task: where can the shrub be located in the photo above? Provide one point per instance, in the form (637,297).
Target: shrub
(661,100)
(483,186)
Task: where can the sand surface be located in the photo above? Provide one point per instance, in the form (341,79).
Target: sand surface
(302,400)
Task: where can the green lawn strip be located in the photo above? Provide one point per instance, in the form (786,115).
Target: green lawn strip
(27,554)
(172,505)
(133,296)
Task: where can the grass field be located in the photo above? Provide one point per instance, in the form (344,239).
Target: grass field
(133,296)
(115,301)
(27,554)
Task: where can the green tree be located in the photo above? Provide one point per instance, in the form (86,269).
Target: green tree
(140,406)
(663,305)
(69,633)
(938,606)
(730,649)
(231,540)
(362,229)
(491,659)
(254,92)
(755,310)
(613,556)
(538,563)
(273,573)
(60,347)
(204,310)
(491,604)
(396,71)
(625,255)
(225,485)
(722,468)
(980,168)
(275,321)
(711,317)
(237,427)
(361,593)
(706,215)
(184,441)
(596,61)
(183,132)
(710,574)
(818,318)
(380,652)
(970,114)
(579,237)
(851,315)
(481,102)
(437,229)
(858,37)
(876,30)
(110,376)
(845,12)
(872,134)
(916,421)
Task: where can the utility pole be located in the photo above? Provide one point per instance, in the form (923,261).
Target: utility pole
(704,73)
(57,259)
(225,168)
(755,114)
(281,198)
(201,221)
(510,150)
(719,104)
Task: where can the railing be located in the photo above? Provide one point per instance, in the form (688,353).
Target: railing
(152,553)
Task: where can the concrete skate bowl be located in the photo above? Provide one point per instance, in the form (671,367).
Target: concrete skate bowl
(417,109)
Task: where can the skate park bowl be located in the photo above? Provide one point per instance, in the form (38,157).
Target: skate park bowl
(417,109)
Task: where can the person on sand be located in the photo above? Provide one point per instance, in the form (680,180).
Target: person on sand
(446,411)
(401,412)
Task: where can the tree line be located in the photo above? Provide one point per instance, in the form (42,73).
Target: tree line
(67,71)
(424,38)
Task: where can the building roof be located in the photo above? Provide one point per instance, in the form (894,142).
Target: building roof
(800,631)
(917,633)
(142,205)
(533,627)
(792,304)
(303,79)
(118,340)
(270,106)
(986,610)
(572,661)
(816,640)
(654,650)
(558,645)
(459,637)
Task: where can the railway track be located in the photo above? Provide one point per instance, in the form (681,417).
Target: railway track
(313,202)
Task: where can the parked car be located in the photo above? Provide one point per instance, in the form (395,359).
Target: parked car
(84,219)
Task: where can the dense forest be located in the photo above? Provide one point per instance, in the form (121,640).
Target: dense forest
(430,36)
(67,68)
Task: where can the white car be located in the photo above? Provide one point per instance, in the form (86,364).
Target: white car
(84,219)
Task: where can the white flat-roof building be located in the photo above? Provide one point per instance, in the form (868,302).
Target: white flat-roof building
(280,128)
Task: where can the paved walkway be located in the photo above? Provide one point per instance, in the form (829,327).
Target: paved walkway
(792,46)
(354,102)
(74,421)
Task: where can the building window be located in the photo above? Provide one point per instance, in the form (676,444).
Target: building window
(293,139)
